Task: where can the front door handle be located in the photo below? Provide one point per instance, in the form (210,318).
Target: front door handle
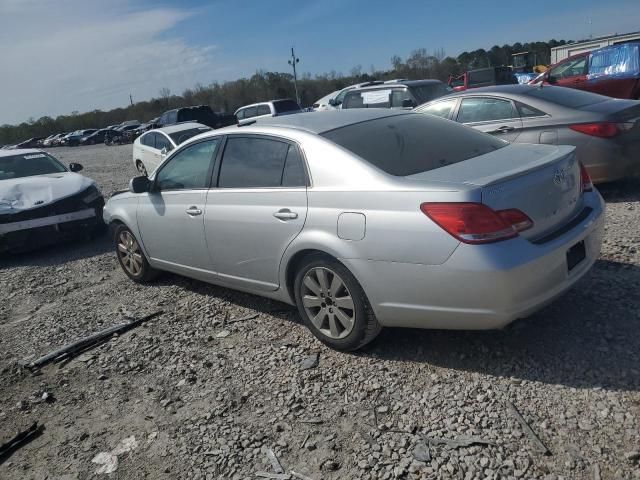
(504,129)
(193,211)
(285,214)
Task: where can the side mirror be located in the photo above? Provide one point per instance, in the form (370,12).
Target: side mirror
(407,103)
(163,151)
(75,167)
(139,184)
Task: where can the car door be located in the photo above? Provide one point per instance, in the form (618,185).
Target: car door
(493,115)
(171,216)
(257,209)
(571,73)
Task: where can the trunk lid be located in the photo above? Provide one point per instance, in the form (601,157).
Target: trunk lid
(543,181)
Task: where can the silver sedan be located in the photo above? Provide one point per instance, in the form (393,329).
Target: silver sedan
(366,219)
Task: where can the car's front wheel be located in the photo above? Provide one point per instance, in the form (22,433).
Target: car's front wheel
(131,257)
(333,305)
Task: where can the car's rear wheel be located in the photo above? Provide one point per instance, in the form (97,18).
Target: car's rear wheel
(141,168)
(333,305)
(131,257)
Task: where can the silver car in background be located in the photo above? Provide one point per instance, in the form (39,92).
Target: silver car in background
(365,219)
(604,130)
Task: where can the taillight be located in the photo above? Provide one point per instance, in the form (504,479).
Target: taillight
(585,179)
(602,129)
(477,223)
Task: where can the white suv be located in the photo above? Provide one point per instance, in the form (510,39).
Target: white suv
(274,108)
(152,147)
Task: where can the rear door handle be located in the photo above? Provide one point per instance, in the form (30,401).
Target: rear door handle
(193,211)
(504,129)
(285,214)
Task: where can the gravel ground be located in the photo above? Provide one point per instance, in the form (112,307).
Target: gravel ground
(205,397)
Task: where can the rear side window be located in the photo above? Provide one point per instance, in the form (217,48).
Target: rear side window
(163,142)
(252,162)
(249,112)
(527,111)
(293,174)
(282,106)
(398,97)
(408,144)
(430,91)
(149,140)
(484,109)
(264,110)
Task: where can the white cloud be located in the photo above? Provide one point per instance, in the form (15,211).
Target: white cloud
(67,55)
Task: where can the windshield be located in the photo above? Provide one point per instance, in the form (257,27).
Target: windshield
(426,93)
(29,164)
(408,144)
(184,135)
(567,97)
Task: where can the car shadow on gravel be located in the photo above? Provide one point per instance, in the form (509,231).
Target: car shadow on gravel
(587,338)
(59,253)
(621,191)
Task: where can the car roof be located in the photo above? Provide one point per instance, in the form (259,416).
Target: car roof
(393,84)
(520,89)
(321,122)
(19,151)
(179,127)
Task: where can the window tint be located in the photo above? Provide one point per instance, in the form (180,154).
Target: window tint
(240,114)
(399,96)
(189,168)
(264,110)
(149,140)
(163,142)
(294,174)
(426,93)
(570,68)
(250,112)
(282,106)
(483,109)
(528,111)
(413,143)
(440,109)
(568,97)
(252,162)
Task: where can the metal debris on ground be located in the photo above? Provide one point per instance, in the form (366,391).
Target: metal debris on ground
(459,442)
(275,463)
(73,349)
(527,429)
(20,440)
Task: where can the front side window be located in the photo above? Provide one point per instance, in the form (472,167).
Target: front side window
(440,109)
(188,168)
(398,98)
(570,68)
(250,112)
(163,142)
(264,110)
(484,109)
(29,164)
(252,162)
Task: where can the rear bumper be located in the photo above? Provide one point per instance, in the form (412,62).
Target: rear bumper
(608,161)
(480,286)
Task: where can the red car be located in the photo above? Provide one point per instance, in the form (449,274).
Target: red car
(613,71)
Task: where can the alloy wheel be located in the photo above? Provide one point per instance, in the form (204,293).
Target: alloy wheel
(328,302)
(129,253)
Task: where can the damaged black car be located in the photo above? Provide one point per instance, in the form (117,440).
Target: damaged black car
(42,201)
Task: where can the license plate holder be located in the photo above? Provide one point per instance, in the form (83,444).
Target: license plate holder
(575,255)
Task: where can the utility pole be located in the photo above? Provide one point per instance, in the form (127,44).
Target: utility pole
(293,62)
(131,99)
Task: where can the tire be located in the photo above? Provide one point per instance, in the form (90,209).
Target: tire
(130,256)
(141,168)
(342,318)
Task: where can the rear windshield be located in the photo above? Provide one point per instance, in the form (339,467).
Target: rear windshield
(28,164)
(408,144)
(426,93)
(567,97)
(184,135)
(283,106)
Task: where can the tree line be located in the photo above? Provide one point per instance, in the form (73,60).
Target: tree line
(263,85)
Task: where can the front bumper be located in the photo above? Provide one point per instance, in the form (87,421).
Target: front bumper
(480,286)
